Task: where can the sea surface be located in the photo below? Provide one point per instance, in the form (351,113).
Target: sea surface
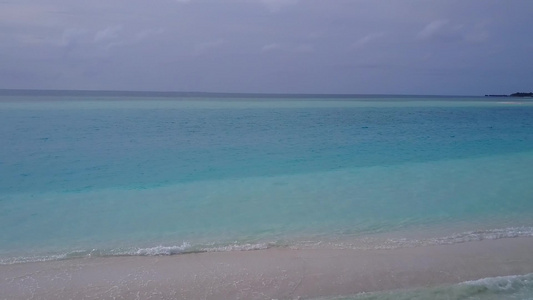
(94,174)
(494,288)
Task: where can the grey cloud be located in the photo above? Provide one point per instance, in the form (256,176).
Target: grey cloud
(277,5)
(368,39)
(445,30)
(271,47)
(294,48)
(201,48)
(109,33)
(435,29)
(344,46)
(147,33)
(72,35)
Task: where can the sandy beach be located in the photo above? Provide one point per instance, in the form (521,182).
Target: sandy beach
(265,274)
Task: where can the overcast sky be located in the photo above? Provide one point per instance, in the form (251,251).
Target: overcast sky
(450,47)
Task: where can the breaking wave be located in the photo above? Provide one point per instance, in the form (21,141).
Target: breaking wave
(360,243)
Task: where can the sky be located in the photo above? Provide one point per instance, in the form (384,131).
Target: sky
(432,47)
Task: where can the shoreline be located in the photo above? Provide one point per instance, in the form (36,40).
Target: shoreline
(275,273)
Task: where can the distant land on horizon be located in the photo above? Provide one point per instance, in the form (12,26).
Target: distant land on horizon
(518,94)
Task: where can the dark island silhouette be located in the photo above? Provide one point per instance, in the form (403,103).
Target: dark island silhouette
(518,94)
(522,95)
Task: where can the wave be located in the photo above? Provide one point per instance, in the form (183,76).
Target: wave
(501,288)
(356,244)
(160,250)
(369,243)
(463,237)
(188,248)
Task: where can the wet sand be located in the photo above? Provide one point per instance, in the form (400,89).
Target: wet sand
(265,274)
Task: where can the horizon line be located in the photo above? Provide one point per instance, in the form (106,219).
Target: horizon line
(140,93)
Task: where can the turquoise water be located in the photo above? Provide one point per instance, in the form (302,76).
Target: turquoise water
(84,175)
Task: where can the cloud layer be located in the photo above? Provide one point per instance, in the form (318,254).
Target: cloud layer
(278,46)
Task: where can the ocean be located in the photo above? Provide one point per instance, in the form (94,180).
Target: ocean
(99,175)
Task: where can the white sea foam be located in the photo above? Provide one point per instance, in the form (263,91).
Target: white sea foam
(42,258)
(157,250)
(188,248)
(369,243)
(492,288)
(491,234)
(361,244)
(503,283)
(150,251)
(237,247)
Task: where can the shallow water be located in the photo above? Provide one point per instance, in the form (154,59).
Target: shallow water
(501,288)
(106,176)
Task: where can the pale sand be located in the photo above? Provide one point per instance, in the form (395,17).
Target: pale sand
(265,274)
